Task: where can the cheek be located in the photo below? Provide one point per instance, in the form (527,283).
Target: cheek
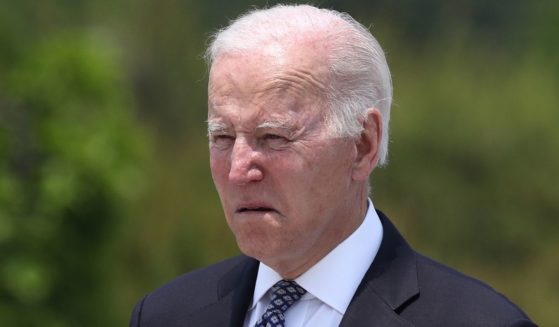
(219,167)
(328,179)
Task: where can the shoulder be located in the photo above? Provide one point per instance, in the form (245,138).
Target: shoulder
(429,293)
(187,293)
(202,282)
(454,296)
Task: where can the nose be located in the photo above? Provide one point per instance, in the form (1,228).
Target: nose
(244,164)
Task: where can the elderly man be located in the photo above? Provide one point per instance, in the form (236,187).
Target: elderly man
(298,110)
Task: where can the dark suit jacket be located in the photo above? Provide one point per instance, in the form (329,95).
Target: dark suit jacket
(401,288)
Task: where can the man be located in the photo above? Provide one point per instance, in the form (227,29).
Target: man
(298,110)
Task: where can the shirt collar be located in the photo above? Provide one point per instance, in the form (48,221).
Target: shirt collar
(335,278)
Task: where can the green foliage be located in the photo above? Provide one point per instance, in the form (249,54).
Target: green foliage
(68,165)
(486,136)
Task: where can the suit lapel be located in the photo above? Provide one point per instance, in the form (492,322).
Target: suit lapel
(234,293)
(368,310)
(241,288)
(388,286)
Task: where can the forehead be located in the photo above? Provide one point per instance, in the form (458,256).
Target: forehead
(282,76)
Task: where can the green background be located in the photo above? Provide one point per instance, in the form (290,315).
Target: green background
(105,189)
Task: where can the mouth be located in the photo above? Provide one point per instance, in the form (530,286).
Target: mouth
(256,209)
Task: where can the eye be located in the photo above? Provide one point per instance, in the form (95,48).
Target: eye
(273,137)
(222,140)
(274,140)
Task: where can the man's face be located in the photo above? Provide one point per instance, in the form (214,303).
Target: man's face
(283,181)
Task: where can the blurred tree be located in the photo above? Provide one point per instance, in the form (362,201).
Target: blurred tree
(69,163)
(164,45)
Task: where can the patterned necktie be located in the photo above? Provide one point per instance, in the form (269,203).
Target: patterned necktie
(284,294)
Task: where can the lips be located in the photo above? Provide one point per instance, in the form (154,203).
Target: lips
(255,208)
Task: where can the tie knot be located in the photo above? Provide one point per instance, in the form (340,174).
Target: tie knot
(285,293)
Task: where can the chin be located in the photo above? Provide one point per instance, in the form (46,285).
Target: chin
(253,250)
(258,238)
(258,247)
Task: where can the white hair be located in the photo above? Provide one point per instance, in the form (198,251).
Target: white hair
(360,75)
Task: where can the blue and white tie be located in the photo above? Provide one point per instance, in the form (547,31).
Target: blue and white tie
(284,294)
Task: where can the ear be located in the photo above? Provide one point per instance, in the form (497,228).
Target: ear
(367,146)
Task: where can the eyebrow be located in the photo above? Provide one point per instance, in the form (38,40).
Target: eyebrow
(215,126)
(270,124)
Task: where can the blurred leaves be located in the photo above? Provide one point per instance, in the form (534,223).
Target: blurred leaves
(71,160)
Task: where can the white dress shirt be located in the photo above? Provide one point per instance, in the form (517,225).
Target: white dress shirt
(330,283)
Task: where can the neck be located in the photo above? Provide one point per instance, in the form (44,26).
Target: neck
(352,216)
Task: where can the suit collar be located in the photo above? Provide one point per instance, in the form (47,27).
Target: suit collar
(238,284)
(389,284)
(393,275)
(233,294)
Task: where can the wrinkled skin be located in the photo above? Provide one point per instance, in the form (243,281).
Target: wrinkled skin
(290,192)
